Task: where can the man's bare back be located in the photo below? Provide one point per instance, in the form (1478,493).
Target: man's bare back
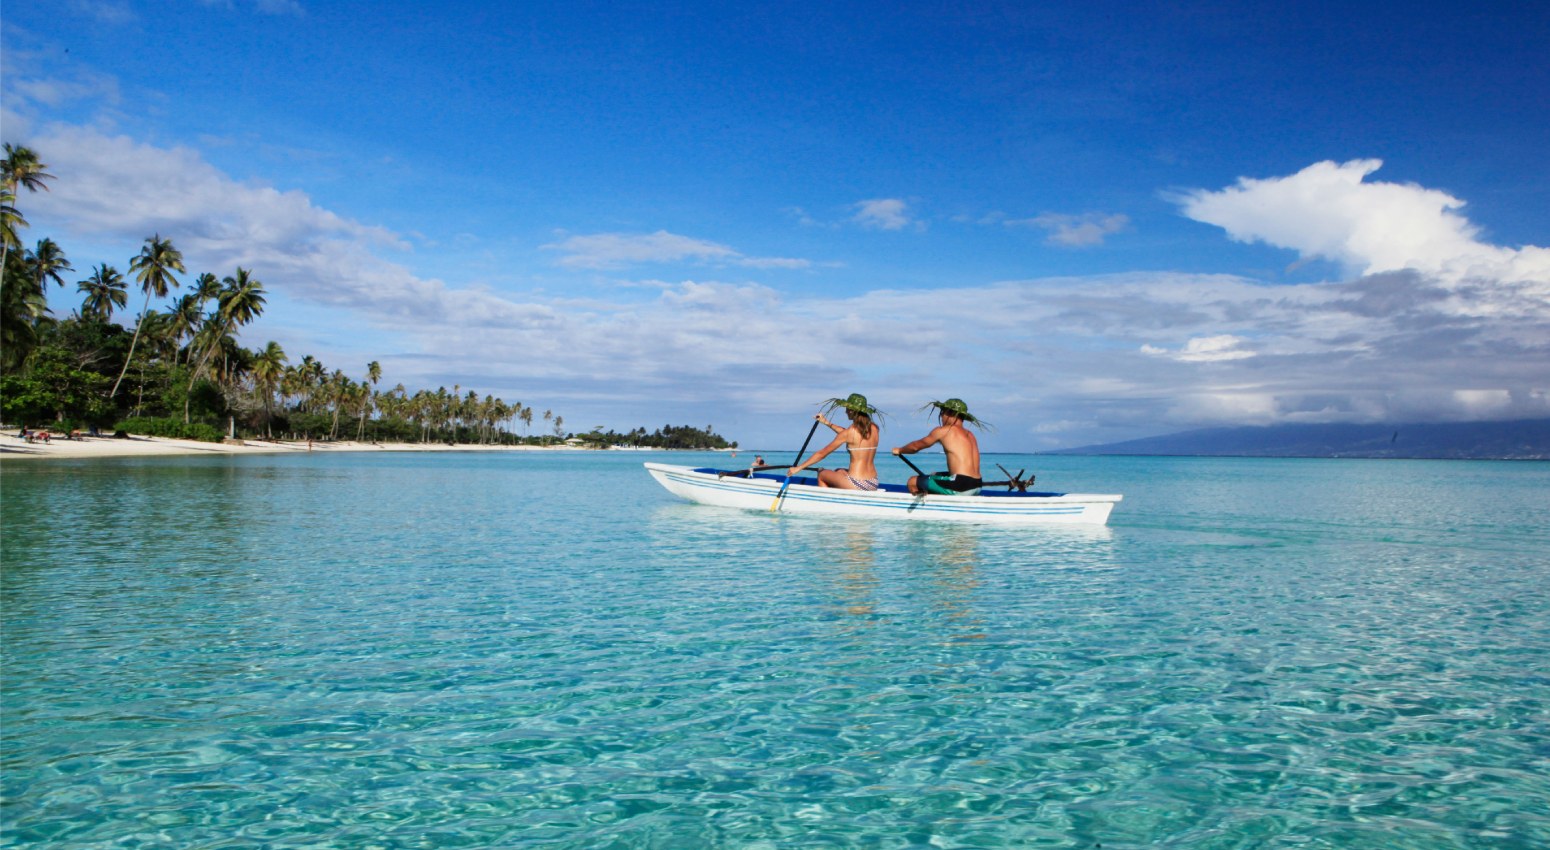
(960,446)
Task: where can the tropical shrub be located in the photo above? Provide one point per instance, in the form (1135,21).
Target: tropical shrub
(171,428)
(53,388)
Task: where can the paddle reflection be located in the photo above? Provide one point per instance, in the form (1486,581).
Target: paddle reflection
(875,572)
(848,550)
(948,559)
(858,576)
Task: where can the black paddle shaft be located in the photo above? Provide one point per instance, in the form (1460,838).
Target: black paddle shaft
(911,464)
(802,451)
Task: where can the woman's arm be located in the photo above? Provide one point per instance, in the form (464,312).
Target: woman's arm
(822,453)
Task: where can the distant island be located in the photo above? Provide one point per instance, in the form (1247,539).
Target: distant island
(1527,439)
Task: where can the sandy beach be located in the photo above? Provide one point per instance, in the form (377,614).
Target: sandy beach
(15,448)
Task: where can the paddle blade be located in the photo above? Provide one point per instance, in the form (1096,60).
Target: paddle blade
(775,505)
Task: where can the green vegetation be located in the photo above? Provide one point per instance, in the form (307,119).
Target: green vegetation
(170,427)
(179,371)
(666,437)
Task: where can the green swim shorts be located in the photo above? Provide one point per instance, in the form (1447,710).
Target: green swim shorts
(949,484)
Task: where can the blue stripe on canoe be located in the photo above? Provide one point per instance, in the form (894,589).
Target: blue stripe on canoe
(936,505)
(889,488)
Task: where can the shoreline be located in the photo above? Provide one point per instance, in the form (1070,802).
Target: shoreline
(15,448)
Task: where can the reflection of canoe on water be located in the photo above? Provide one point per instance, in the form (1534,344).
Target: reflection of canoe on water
(759,491)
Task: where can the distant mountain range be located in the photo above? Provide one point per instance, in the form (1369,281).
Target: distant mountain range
(1527,439)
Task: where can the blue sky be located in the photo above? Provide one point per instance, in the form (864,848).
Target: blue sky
(1092,222)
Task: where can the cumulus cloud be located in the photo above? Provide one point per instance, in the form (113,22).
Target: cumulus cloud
(1075,231)
(883,214)
(622,250)
(618,250)
(1204,349)
(1329,210)
(1056,361)
(111,189)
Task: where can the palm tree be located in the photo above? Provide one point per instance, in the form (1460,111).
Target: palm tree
(156,329)
(25,304)
(236,364)
(290,387)
(153,269)
(11,223)
(22,170)
(373,375)
(48,263)
(240,302)
(268,368)
(205,288)
(186,315)
(105,290)
(338,389)
(19,170)
(22,310)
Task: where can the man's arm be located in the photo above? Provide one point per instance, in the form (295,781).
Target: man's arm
(925,442)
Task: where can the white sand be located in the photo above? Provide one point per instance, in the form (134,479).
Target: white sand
(14,448)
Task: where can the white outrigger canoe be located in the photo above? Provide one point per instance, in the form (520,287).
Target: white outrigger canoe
(759,491)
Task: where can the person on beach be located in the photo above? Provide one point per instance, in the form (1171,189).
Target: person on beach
(962,477)
(860,439)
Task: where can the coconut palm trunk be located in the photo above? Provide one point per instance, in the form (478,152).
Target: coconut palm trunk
(154,266)
(241,301)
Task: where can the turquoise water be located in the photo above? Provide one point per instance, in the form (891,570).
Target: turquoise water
(548,650)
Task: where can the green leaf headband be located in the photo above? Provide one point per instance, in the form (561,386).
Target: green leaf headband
(855,403)
(956,407)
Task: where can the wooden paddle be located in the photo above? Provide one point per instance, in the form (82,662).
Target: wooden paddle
(775,506)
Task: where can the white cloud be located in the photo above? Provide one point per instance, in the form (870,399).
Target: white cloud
(1235,405)
(622,250)
(1130,354)
(1484,402)
(774,263)
(112,189)
(53,92)
(1075,231)
(618,250)
(1205,349)
(1327,210)
(883,214)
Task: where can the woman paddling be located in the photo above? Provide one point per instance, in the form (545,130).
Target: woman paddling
(859,439)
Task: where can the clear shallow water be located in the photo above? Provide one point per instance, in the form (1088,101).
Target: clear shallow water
(548,650)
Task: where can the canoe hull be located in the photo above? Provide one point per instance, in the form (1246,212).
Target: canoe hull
(804,497)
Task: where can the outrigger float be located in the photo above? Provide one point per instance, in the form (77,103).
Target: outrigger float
(766,491)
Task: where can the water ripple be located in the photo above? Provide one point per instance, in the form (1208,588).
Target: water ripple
(452,652)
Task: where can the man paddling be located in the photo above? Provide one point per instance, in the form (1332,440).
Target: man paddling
(962,477)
